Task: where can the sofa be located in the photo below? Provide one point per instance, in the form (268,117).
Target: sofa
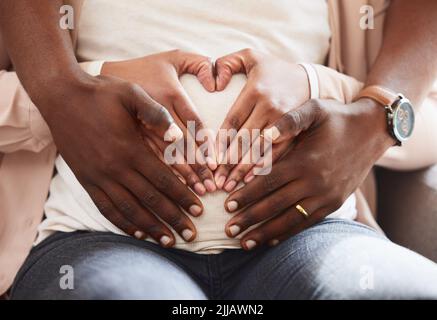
(407,208)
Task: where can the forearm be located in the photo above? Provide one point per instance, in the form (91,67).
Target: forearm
(407,62)
(40,50)
(21,124)
(4,58)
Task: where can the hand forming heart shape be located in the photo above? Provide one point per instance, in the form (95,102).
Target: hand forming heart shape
(273,88)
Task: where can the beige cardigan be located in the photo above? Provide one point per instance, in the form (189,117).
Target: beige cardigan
(27,152)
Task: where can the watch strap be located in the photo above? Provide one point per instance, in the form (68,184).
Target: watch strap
(382,95)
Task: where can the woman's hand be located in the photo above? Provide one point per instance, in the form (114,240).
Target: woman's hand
(158,75)
(273,87)
(332,148)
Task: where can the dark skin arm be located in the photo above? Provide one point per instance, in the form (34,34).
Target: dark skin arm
(97,124)
(40,50)
(4,58)
(407,62)
(333,146)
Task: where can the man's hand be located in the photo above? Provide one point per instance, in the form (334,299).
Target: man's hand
(96,128)
(332,148)
(94,124)
(158,75)
(273,87)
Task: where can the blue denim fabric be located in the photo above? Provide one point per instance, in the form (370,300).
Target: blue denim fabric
(335,259)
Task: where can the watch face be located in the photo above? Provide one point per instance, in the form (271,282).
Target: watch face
(403,120)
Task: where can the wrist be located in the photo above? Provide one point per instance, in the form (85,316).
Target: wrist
(54,82)
(57,93)
(373,117)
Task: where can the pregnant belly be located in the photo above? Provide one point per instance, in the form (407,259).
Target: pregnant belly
(212,109)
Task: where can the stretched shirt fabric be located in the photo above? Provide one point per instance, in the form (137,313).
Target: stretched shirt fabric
(211,28)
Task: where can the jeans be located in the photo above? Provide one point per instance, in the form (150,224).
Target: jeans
(335,259)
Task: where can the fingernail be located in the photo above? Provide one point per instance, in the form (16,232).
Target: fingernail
(212,164)
(174,132)
(199,188)
(210,185)
(274,242)
(234,230)
(195,210)
(271,133)
(165,240)
(187,234)
(249,177)
(139,235)
(230,185)
(232,205)
(250,244)
(220,181)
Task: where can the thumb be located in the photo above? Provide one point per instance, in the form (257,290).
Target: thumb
(200,66)
(238,62)
(153,115)
(292,123)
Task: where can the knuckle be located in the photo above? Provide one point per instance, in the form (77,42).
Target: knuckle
(247,219)
(269,105)
(125,226)
(317,107)
(235,121)
(249,53)
(158,115)
(164,181)
(126,208)
(258,91)
(172,95)
(292,119)
(277,204)
(154,229)
(322,179)
(150,199)
(271,182)
(206,61)
(176,222)
(242,198)
(221,62)
(228,166)
(104,207)
(134,87)
(112,168)
(185,202)
(130,89)
(202,171)
(240,173)
(175,51)
(191,179)
(290,218)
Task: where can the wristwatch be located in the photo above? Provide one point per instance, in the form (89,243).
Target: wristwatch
(400,113)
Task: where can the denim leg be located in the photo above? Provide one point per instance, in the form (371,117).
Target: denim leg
(105,267)
(337,259)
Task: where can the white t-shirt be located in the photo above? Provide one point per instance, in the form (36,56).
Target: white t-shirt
(295,30)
